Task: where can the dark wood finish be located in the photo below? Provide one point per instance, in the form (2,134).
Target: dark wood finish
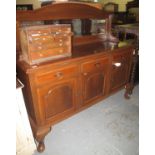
(121,63)
(130,86)
(56,89)
(131,29)
(60,11)
(40,135)
(94,79)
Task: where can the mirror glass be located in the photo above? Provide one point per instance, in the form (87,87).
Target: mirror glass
(79,26)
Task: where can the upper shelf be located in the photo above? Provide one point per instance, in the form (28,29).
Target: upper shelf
(89,24)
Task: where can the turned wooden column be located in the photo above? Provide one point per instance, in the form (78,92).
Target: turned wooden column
(129,87)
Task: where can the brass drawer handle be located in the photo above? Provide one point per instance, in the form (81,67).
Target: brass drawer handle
(59,75)
(85,74)
(117,64)
(97,64)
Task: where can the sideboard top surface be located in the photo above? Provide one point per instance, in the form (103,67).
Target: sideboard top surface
(78,53)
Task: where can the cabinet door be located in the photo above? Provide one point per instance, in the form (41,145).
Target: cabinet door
(58,99)
(93,86)
(94,80)
(120,69)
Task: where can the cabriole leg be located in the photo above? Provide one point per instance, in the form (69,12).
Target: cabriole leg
(39,136)
(129,87)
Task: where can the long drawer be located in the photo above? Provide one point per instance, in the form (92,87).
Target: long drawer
(57,74)
(94,65)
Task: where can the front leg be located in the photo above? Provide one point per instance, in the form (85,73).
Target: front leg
(129,88)
(39,136)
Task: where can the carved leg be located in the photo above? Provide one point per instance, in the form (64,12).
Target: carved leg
(39,136)
(129,87)
(41,146)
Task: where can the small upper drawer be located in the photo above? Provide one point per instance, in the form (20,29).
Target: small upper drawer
(121,60)
(60,29)
(95,65)
(57,74)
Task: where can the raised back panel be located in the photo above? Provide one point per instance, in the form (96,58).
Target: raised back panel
(62,11)
(66,12)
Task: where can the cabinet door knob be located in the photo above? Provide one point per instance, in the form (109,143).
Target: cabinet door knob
(117,64)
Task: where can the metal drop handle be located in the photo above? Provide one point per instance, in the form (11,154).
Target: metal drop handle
(59,75)
(117,64)
(85,74)
(97,64)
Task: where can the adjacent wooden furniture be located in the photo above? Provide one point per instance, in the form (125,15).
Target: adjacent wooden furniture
(128,29)
(130,16)
(132,4)
(134,30)
(57,89)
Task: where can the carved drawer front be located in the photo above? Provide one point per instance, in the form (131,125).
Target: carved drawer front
(120,69)
(95,65)
(57,74)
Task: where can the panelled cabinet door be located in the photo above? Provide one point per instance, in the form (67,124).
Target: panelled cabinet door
(120,70)
(57,99)
(93,86)
(94,79)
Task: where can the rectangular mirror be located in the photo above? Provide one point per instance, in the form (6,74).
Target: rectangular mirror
(79,27)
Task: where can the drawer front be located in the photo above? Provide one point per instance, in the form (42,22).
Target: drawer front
(60,29)
(56,75)
(122,56)
(121,59)
(50,53)
(46,30)
(95,65)
(48,46)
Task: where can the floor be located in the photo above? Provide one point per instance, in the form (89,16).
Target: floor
(110,127)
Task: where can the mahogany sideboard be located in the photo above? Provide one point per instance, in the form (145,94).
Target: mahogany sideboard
(57,89)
